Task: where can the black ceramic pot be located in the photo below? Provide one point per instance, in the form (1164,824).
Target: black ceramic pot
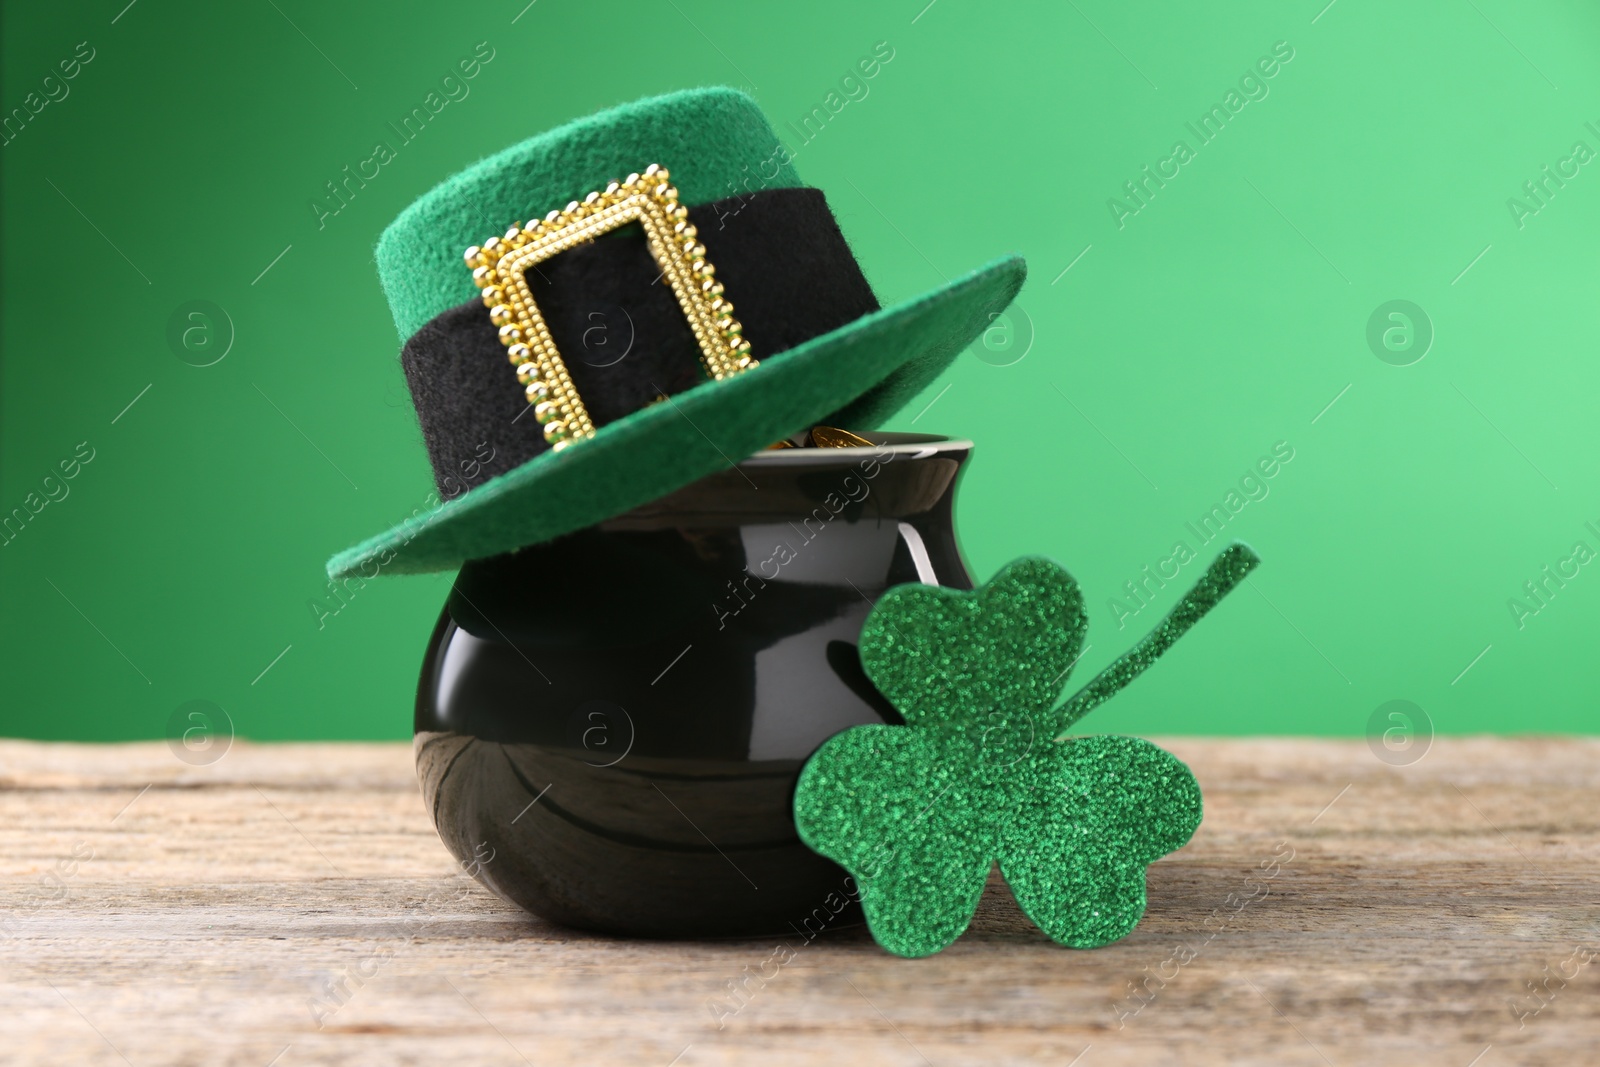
(609,726)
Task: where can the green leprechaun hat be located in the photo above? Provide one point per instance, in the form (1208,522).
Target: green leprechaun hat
(591,360)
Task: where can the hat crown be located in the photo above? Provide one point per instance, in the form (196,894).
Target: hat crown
(716,142)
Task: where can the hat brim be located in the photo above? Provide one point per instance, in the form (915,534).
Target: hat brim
(858,374)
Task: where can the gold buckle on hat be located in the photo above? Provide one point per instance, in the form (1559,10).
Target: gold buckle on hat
(500,264)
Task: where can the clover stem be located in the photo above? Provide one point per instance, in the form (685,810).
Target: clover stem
(1225,572)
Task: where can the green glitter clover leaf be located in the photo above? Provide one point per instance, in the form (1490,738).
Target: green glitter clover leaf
(983,771)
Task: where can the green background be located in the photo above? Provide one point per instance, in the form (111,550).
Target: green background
(1222,318)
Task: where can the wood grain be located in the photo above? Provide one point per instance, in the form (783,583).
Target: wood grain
(156,913)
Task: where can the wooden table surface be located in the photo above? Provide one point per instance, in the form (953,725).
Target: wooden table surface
(291,905)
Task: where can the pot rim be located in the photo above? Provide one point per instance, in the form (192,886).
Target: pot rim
(912,445)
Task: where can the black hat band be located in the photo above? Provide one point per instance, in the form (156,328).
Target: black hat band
(622,333)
